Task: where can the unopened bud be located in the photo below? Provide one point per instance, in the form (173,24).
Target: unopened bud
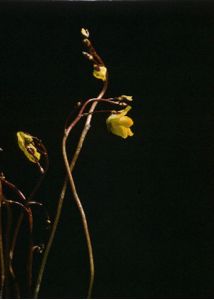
(87,55)
(87,42)
(85,32)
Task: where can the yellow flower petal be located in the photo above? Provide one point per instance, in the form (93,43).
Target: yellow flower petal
(126,121)
(120,131)
(125,111)
(125,97)
(130,133)
(100,72)
(26,144)
(119,124)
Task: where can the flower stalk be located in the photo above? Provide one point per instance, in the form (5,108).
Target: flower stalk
(2,263)
(118,123)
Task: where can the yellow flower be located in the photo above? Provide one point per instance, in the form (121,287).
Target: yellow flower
(125,97)
(26,144)
(100,72)
(119,124)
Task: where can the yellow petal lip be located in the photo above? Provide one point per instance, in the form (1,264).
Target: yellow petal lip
(100,72)
(126,121)
(119,124)
(125,97)
(26,144)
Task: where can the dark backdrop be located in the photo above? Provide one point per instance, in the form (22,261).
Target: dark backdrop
(149,199)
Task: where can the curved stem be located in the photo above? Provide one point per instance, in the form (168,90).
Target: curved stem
(2,266)
(45,169)
(13,187)
(9,263)
(30,253)
(28,212)
(10,257)
(83,216)
(50,241)
(21,216)
(7,249)
(63,191)
(9,267)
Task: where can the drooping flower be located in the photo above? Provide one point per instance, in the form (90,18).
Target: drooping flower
(26,144)
(119,124)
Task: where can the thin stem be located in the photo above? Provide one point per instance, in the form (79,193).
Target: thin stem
(99,111)
(9,262)
(48,221)
(81,112)
(63,191)
(64,187)
(28,211)
(15,235)
(13,243)
(50,241)
(86,128)
(30,253)
(13,187)
(7,249)
(43,150)
(9,267)
(83,216)
(2,268)
(12,247)
(21,216)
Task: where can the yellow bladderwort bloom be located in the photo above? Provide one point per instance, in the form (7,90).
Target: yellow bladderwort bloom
(26,144)
(100,72)
(119,124)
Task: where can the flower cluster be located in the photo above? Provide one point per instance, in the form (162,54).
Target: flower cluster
(99,69)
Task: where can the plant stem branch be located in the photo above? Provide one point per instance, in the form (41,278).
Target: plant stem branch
(7,249)
(83,216)
(63,191)
(2,266)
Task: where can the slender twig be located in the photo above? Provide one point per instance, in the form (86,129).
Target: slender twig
(63,191)
(7,249)
(14,188)
(73,187)
(42,149)
(2,263)
(30,253)
(13,243)
(9,262)
(83,216)
(6,265)
(49,243)
(21,216)
(64,187)
(48,221)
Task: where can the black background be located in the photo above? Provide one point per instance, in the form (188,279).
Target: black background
(149,199)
